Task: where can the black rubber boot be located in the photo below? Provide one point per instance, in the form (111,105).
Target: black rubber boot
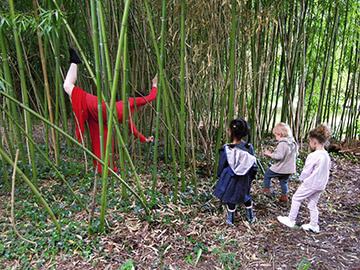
(250,214)
(74,57)
(231,216)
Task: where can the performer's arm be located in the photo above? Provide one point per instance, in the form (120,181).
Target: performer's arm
(153,92)
(137,134)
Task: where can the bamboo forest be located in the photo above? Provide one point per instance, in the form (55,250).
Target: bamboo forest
(121,120)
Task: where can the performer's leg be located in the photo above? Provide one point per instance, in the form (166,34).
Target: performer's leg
(71,75)
(70,79)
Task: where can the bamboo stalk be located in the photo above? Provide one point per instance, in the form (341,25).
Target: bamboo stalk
(15,134)
(346,98)
(104,43)
(94,27)
(319,116)
(6,176)
(126,112)
(46,82)
(193,158)
(27,117)
(232,61)
(353,104)
(9,88)
(93,202)
(111,118)
(182,95)
(302,92)
(162,84)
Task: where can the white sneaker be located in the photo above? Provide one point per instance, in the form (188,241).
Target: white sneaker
(308,227)
(286,221)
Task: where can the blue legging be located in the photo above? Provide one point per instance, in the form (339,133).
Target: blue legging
(284,179)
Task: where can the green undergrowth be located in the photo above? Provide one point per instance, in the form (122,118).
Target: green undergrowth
(34,224)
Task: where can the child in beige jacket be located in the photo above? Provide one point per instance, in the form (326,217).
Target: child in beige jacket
(285,160)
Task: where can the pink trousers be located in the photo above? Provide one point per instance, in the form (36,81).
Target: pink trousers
(301,194)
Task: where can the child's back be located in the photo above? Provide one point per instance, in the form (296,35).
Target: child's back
(285,160)
(316,174)
(236,170)
(285,156)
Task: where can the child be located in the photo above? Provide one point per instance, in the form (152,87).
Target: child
(285,156)
(314,178)
(236,169)
(85,107)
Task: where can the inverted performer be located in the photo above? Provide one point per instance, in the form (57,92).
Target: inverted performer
(85,107)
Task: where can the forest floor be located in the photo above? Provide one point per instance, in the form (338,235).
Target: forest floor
(187,235)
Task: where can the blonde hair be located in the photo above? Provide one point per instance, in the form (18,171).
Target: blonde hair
(282,129)
(322,133)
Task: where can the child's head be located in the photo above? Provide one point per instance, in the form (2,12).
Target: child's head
(319,135)
(239,129)
(282,130)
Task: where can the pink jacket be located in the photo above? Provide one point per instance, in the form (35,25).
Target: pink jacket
(315,173)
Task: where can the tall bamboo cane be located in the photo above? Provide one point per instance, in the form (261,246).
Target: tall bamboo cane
(232,61)
(182,94)
(2,120)
(329,94)
(24,92)
(319,116)
(335,107)
(94,26)
(104,43)
(162,84)
(46,82)
(15,136)
(353,103)
(112,109)
(126,113)
(220,129)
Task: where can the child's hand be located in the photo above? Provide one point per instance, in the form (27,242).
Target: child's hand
(267,153)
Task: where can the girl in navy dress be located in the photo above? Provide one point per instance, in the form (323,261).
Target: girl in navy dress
(236,170)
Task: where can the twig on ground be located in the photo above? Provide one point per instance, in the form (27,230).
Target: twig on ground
(12,201)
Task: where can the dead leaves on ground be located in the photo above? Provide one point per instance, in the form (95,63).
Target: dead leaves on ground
(174,235)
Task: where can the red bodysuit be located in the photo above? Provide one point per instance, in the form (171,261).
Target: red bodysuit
(86,109)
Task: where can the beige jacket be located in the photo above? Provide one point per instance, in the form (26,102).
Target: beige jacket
(285,156)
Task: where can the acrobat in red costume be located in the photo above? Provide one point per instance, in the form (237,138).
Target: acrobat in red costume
(86,109)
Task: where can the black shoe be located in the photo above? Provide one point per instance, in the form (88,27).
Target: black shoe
(74,57)
(250,215)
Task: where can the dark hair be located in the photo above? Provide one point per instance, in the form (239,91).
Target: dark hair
(239,129)
(322,133)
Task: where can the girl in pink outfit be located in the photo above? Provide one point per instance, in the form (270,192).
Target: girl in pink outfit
(314,178)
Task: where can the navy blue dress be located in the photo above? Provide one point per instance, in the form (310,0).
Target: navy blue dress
(235,172)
